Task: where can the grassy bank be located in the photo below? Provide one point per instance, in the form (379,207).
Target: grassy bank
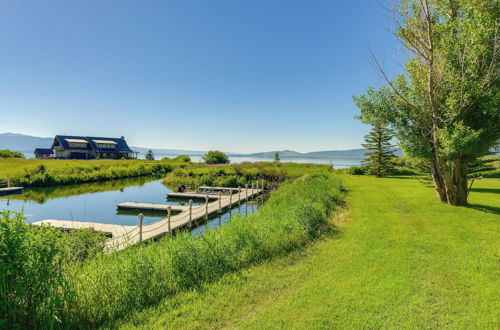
(235,175)
(401,260)
(106,287)
(45,173)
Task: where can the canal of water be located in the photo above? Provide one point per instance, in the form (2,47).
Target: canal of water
(96,202)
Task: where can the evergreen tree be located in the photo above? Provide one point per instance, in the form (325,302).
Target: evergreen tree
(150,155)
(276,156)
(379,159)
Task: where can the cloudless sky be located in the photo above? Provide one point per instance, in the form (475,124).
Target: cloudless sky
(234,75)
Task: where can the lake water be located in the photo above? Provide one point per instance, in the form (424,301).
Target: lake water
(336,162)
(96,202)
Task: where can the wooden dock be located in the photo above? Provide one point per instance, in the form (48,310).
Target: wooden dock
(191,195)
(124,236)
(152,207)
(11,190)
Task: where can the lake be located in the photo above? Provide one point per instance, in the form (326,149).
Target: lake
(336,162)
(96,202)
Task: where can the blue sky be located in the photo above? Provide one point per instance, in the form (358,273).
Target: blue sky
(234,75)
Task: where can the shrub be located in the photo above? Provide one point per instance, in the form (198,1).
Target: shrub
(356,170)
(216,157)
(6,153)
(183,158)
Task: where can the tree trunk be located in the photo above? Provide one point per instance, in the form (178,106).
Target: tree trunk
(451,183)
(438,183)
(459,180)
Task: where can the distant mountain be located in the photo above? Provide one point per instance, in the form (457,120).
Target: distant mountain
(27,144)
(23,143)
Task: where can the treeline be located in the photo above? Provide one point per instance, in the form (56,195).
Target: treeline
(44,284)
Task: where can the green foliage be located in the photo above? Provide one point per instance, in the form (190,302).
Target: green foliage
(45,173)
(356,170)
(149,155)
(215,157)
(273,173)
(446,107)
(379,161)
(276,156)
(10,154)
(183,158)
(35,289)
(113,285)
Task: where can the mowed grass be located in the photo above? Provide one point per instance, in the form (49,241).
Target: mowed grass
(401,259)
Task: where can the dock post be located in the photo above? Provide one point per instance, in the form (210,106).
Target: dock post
(252,192)
(206,207)
(169,214)
(8,182)
(190,213)
(141,217)
(239,195)
(220,202)
(246,191)
(230,198)
(262,185)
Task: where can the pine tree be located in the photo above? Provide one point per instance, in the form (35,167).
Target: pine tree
(276,156)
(150,155)
(379,158)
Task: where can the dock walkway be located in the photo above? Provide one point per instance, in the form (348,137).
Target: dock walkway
(11,190)
(124,236)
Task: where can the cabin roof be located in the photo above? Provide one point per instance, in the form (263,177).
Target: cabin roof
(91,143)
(44,151)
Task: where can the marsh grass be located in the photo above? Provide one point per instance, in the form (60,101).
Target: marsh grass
(109,286)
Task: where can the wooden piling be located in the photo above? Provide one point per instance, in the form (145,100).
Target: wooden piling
(169,214)
(220,202)
(141,218)
(190,223)
(206,207)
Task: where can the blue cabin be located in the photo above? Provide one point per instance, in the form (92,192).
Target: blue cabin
(42,153)
(90,147)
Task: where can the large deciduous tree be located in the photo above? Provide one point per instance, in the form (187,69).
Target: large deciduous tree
(445,108)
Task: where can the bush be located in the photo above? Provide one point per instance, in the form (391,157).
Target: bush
(5,153)
(183,158)
(356,170)
(216,157)
(35,288)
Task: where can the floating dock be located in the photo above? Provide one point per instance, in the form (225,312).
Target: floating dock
(152,207)
(124,236)
(11,190)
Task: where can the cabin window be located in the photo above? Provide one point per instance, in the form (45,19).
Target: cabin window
(77,145)
(106,145)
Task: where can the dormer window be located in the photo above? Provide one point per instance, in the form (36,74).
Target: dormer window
(105,144)
(77,143)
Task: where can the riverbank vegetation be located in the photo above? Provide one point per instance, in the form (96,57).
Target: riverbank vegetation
(45,173)
(235,175)
(101,288)
(401,259)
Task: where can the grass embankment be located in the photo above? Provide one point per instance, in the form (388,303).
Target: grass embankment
(401,260)
(235,175)
(44,173)
(106,287)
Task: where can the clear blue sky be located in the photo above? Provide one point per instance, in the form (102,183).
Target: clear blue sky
(234,75)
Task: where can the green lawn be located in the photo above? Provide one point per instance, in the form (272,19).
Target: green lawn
(400,260)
